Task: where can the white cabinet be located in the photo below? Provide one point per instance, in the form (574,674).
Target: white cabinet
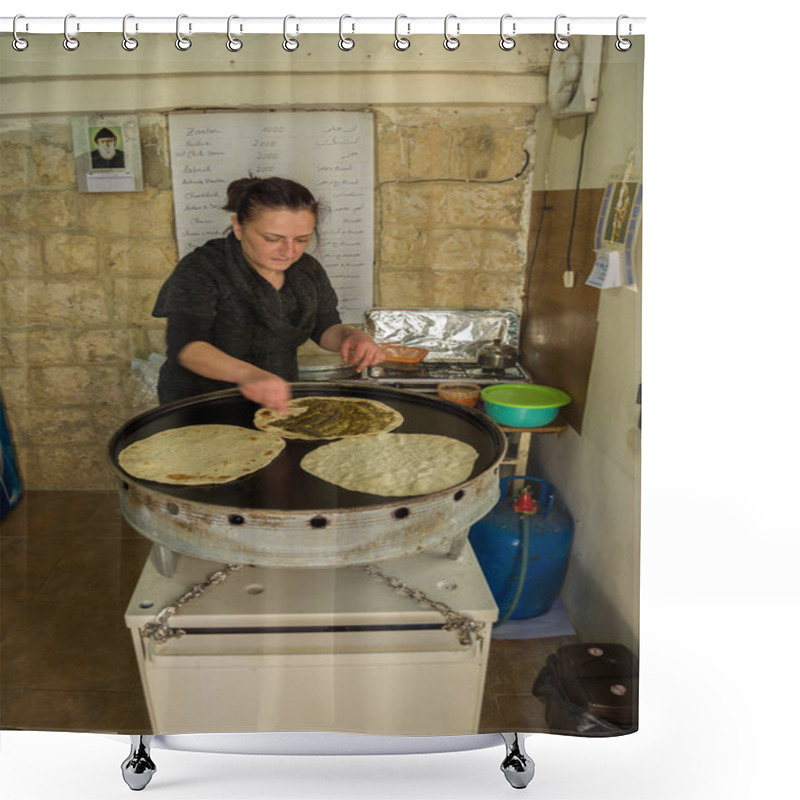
(315,649)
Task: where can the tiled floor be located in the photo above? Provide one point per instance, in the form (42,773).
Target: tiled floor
(69,564)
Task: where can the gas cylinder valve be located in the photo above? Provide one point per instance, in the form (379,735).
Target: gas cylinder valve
(524,502)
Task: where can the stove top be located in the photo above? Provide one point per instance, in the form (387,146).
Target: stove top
(436,372)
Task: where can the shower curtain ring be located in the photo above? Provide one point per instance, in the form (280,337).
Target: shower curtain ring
(451,42)
(181,42)
(400,42)
(128,42)
(18,43)
(70,42)
(623,45)
(506,42)
(560,43)
(345,43)
(290,44)
(233,44)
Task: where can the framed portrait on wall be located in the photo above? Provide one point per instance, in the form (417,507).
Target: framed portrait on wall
(107,154)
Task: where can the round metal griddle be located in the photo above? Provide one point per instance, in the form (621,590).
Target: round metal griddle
(283,516)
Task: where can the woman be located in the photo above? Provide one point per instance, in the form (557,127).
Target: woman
(238,308)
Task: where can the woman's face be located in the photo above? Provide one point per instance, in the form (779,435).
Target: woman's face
(274,239)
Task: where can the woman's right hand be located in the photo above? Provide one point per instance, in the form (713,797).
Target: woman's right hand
(267,390)
(255,384)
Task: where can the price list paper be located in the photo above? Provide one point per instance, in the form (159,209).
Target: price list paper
(330,152)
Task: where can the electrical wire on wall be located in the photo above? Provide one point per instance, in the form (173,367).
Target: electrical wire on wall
(514,177)
(536,241)
(532,260)
(464,180)
(569,274)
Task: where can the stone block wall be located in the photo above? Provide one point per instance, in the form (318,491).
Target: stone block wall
(78,275)
(453,227)
(79,272)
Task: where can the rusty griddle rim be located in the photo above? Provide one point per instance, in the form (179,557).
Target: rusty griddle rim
(223,497)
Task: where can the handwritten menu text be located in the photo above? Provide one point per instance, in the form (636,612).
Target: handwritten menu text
(330,152)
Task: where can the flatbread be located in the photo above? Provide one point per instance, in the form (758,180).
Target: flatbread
(393,464)
(321,418)
(198,454)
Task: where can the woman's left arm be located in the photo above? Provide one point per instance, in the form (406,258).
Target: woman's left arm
(357,347)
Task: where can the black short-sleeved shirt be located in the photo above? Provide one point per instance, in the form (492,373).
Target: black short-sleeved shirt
(246,317)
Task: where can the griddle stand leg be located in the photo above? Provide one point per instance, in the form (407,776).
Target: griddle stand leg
(457,544)
(138,768)
(165,560)
(517,766)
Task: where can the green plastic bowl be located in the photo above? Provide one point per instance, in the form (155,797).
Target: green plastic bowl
(523,405)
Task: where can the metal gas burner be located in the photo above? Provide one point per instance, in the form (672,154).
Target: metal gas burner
(427,376)
(453,338)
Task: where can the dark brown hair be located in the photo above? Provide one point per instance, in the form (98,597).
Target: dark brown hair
(248,197)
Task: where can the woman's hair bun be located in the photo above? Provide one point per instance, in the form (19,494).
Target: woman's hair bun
(249,196)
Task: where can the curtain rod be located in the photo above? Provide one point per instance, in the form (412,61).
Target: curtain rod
(452,26)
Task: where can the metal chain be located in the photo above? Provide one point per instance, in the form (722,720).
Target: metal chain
(160,630)
(463,627)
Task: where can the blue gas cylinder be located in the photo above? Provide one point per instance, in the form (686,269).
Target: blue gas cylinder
(10,484)
(524,556)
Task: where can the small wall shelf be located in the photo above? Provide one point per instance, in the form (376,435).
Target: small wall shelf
(519,444)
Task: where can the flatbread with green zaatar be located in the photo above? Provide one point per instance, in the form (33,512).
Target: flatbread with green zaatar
(319,418)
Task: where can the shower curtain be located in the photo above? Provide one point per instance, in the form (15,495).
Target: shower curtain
(460,172)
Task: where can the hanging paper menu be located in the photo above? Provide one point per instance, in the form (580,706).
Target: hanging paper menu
(618,225)
(330,152)
(605,273)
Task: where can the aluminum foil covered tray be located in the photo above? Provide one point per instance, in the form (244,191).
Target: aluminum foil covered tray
(449,334)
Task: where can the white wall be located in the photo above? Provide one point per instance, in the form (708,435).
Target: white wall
(598,471)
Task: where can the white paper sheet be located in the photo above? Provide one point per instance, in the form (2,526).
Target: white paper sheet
(330,152)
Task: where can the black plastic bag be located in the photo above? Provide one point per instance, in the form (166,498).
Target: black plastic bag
(563,715)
